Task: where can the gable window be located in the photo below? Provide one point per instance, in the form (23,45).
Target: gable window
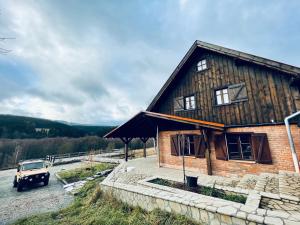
(231,94)
(189,102)
(239,146)
(202,65)
(222,96)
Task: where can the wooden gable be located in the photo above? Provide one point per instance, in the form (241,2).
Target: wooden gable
(258,94)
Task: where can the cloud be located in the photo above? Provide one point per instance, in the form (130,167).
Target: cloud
(103,62)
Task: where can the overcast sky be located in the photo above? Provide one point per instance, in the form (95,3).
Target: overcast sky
(101,62)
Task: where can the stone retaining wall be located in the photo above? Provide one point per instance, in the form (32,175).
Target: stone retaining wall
(200,208)
(149,202)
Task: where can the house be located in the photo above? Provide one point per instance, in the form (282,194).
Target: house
(224,110)
(42,130)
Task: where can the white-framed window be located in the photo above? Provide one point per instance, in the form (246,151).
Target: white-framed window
(189,145)
(202,65)
(222,96)
(189,102)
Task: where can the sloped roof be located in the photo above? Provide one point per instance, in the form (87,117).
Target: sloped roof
(144,124)
(289,69)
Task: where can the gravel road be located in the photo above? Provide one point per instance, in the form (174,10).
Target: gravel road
(15,205)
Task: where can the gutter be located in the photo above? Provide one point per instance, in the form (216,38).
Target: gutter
(291,141)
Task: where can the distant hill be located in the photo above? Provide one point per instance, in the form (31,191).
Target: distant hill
(28,127)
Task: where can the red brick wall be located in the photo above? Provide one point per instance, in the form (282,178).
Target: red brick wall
(279,146)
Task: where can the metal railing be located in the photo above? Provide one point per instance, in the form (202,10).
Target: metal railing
(54,157)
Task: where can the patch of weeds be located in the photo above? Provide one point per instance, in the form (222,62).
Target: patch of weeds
(209,191)
(81,173)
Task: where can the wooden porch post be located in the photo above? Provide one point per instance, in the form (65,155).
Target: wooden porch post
(207,152)
(144,140)
(157,145)
(126,141)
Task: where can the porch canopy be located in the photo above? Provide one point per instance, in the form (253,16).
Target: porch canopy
(145,125)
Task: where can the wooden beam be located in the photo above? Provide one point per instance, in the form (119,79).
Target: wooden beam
(126,141)
(144,140)
(207,152)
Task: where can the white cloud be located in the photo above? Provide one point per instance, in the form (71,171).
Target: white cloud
(88,64)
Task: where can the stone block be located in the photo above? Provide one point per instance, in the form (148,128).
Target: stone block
(215,222)
(195,213)
(175,207)
(160,203)
(248,209)
(261,212)
(211,208)
(238,221)
(227,210)
(226,219)
(289,197)
(290,222)
(255,218)
(241,215)
(278,213)
(204,216)
(273,221)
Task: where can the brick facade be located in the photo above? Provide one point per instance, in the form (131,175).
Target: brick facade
(279,146)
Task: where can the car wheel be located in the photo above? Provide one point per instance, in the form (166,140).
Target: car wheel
(46,182)
(15,182)
(19,187)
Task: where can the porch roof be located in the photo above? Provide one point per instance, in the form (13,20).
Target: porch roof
(145,124)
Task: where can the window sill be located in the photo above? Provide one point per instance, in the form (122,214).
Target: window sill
(188,156)
(242,161)
(184,110)
(222,105)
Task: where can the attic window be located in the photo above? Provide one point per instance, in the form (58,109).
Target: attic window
(202,65)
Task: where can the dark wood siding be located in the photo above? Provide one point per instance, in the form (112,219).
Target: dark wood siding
(269,93)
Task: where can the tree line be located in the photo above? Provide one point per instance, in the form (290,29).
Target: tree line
(13,150)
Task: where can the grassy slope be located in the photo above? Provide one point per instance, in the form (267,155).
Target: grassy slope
(84,172)
(91,206)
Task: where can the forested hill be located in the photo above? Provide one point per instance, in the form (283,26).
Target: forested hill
(27,127)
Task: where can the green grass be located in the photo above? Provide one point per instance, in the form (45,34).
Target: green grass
(209,191)
(91,206)
(84,172)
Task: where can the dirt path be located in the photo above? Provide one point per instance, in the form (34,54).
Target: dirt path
(15,205)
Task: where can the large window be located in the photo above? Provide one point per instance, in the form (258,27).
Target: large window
(243,146)
(222,96)
(202,65)
(188,145)
(239,146)
(189,102)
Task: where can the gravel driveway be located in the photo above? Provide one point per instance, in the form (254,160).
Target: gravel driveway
(15,205)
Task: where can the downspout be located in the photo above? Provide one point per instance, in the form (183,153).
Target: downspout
(291,141)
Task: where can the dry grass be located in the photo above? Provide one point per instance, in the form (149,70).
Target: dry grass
(91,206)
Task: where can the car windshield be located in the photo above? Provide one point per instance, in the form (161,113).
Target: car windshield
(32,166)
